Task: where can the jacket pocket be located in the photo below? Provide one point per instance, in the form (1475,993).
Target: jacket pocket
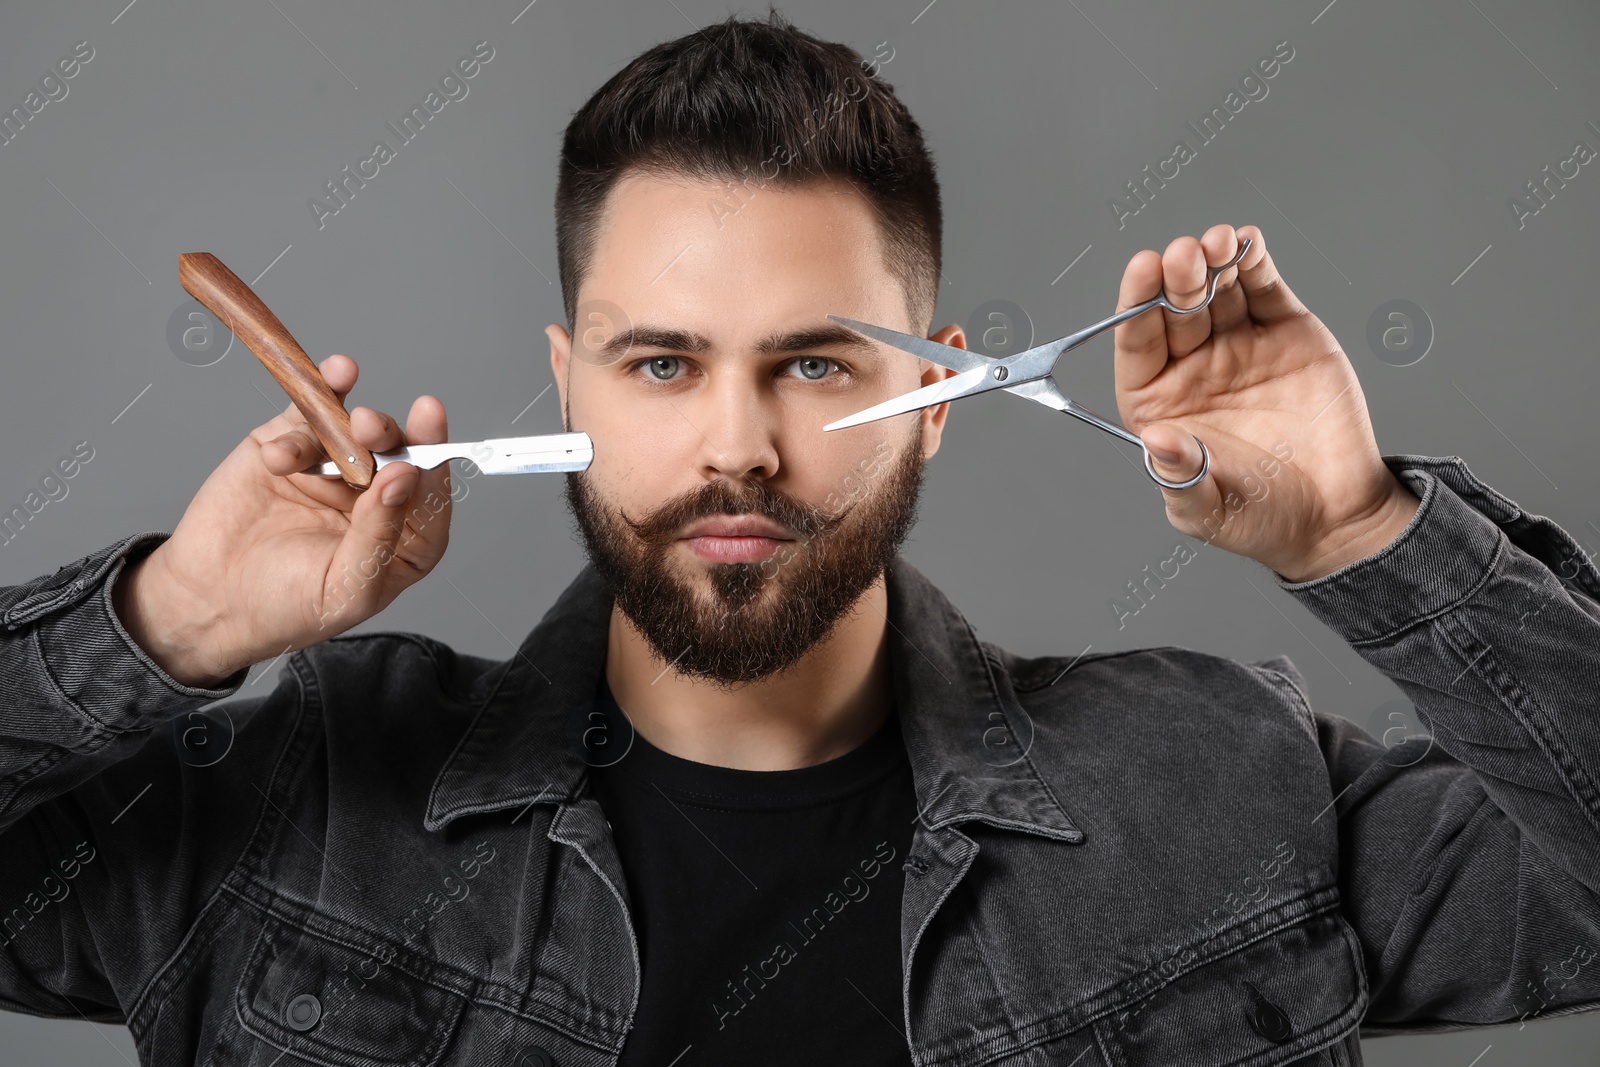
(1276,1000)
(346,1002)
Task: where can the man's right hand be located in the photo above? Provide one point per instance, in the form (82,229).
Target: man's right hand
(267,560)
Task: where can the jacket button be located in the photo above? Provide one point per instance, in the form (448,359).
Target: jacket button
(535,1057)
(303,1012)
(1266,1018)
(63,575)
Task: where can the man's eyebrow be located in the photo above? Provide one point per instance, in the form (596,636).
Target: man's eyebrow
(654,337)
(822,336)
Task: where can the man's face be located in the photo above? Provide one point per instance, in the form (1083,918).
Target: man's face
(709,414)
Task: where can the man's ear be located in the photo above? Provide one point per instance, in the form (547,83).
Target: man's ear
(933,417)
(560,356)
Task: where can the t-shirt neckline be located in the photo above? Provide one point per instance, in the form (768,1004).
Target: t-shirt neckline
(651,768)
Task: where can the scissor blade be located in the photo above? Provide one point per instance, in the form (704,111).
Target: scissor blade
(963,384)
(931,350)
(1040,390)
(534,454)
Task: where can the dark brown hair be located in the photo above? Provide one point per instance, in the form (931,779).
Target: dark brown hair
(754,103)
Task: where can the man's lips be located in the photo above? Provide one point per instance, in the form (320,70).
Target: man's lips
(737,526)
(734,538)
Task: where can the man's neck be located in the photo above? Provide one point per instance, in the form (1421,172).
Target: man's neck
(833,699)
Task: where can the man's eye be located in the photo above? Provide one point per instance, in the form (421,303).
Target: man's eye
(667,368)
(661,368)
(812,367)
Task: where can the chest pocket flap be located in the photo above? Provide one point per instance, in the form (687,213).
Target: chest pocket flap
(1271,1001)
(342,1001)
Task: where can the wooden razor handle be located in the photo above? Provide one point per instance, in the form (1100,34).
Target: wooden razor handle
(231,300)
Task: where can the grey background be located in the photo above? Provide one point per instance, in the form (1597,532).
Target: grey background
(1379,167)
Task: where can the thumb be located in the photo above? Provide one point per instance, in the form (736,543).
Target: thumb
(377,522)
(1176,456)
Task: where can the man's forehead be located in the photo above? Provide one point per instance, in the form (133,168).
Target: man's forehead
(671,275)
(639,185)
(660,227)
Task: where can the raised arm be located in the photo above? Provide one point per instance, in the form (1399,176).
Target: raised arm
(1470,863)
(122,804)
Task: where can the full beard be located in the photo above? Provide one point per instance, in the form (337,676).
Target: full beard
(749,620)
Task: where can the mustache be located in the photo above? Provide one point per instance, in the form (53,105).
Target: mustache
(721,497)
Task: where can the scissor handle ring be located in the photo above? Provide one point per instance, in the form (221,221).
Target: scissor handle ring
(1212,273)
(1205,465)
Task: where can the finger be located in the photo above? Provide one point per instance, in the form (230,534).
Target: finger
(1173,449)
(423,545)
(375,430)
(1140,344)
(292,451)
(1228,307)
(367,552)
(1183,270)
(1268,296)
(427,423)
(1176,456)
(340,372)
(299,447)
(295,447)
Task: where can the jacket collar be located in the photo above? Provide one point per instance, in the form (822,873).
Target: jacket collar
(952,692)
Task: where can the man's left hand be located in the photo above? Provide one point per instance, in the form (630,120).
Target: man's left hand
(1296,480)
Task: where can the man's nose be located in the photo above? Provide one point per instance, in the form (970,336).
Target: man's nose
(738,430)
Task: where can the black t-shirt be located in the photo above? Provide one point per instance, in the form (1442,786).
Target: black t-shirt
(766,903)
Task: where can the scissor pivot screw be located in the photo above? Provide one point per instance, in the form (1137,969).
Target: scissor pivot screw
(1001,374)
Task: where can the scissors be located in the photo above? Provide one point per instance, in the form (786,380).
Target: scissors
(1026,374)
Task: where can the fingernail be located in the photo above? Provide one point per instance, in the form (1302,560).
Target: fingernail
(394,493)
(1169,459)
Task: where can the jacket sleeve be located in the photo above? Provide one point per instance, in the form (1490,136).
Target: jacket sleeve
(120,807)
(1470,860)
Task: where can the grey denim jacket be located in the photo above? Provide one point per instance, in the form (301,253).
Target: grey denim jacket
(1135,858)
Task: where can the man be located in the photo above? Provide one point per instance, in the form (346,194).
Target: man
(752,791)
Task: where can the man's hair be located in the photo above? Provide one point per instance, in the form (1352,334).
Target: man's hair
(756,104)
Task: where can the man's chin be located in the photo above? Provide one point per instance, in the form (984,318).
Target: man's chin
(729,611)
(738,591)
